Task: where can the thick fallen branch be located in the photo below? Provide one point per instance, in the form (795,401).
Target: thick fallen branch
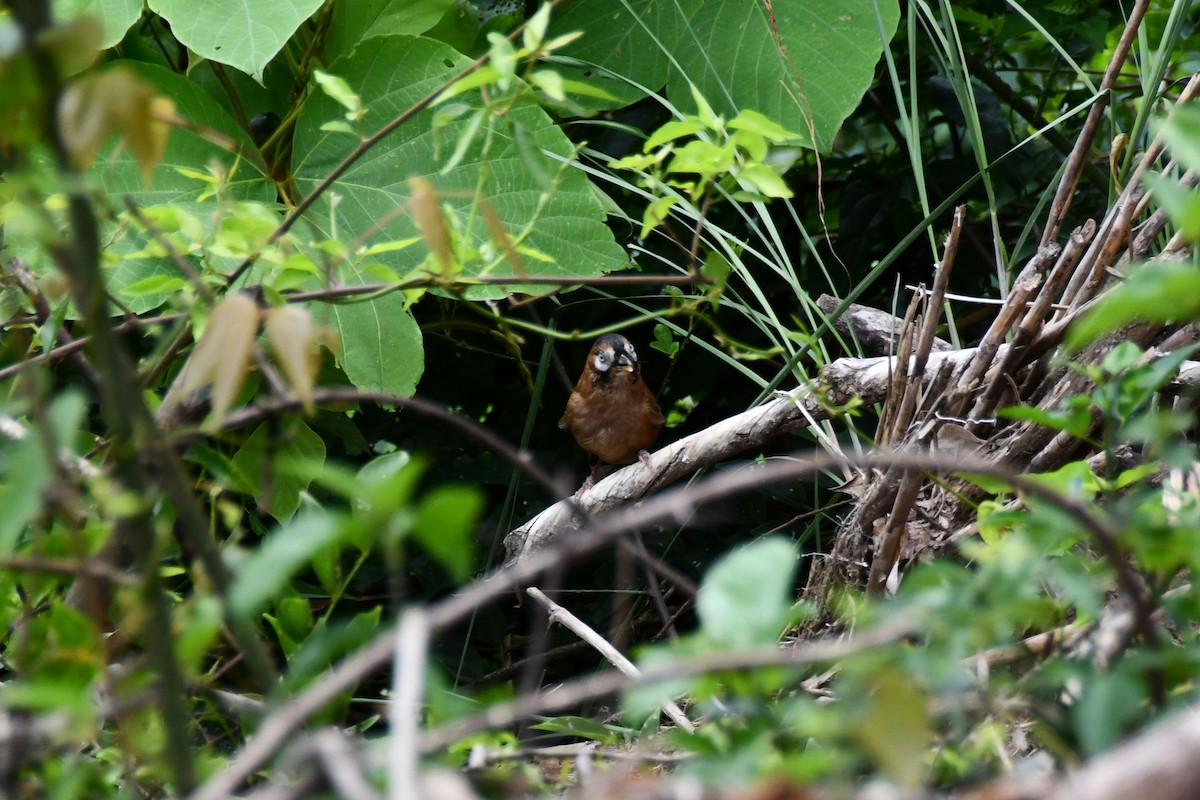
(866,379)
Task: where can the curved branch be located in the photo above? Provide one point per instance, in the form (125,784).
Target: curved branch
(865,379)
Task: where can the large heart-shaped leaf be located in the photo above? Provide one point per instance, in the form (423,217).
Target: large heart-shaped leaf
(234,32)
(351,23)
(804,65)
(380,343)
(549,211)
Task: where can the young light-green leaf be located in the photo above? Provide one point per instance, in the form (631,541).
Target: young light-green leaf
(747,595)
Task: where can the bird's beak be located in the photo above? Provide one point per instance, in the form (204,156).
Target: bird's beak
(625,363)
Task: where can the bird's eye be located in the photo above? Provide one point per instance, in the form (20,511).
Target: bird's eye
(602,360)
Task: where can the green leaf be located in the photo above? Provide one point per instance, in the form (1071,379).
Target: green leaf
(25,474)
(763,180)
(640,702)
(380,343)
(444,527)
(154,284)
(243,35)
(754,122)
(264,574)
(670,131)
(362,19)
(339,90)
(199,623)
(580,727)
(1181,203)
(1075,418)
(896,730)
(664,341)
(804,66)
(1154,293)
(1182,134)
(535,28)
(220,468)
(1108,702)
(747,595)
(555,213)
(1074,479)
(293,450)
(329,641)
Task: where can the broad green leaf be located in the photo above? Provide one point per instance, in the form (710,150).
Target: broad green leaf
(263,575)
(26,472)
(641,702)
(445,527)
(1108,703)
(896,730)
(1181,204)
(1074,479)
(354,22)
(747,594)
(154,284)
(1182,134)
(328,642)
(115,16)
(630,42)
(1154,293)
(1075,418)
(338,89)
(804,66)
(220,468)
(243,35)
(199,623)
(292,450)
(545,206)
(181,178)
(380,343)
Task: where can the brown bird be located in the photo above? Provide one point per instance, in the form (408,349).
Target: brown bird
(612,413)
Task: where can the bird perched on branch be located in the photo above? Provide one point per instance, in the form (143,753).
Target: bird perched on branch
(611,412)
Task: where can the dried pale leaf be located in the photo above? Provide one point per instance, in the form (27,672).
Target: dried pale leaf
(500,237)
(83,120)
(427,215)
(222,355)
(292,338)
(114,101)
(233,326)
(146,129)
(74,45)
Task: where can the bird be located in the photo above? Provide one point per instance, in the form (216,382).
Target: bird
(611,412)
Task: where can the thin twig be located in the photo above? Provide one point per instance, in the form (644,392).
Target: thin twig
(597,642)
